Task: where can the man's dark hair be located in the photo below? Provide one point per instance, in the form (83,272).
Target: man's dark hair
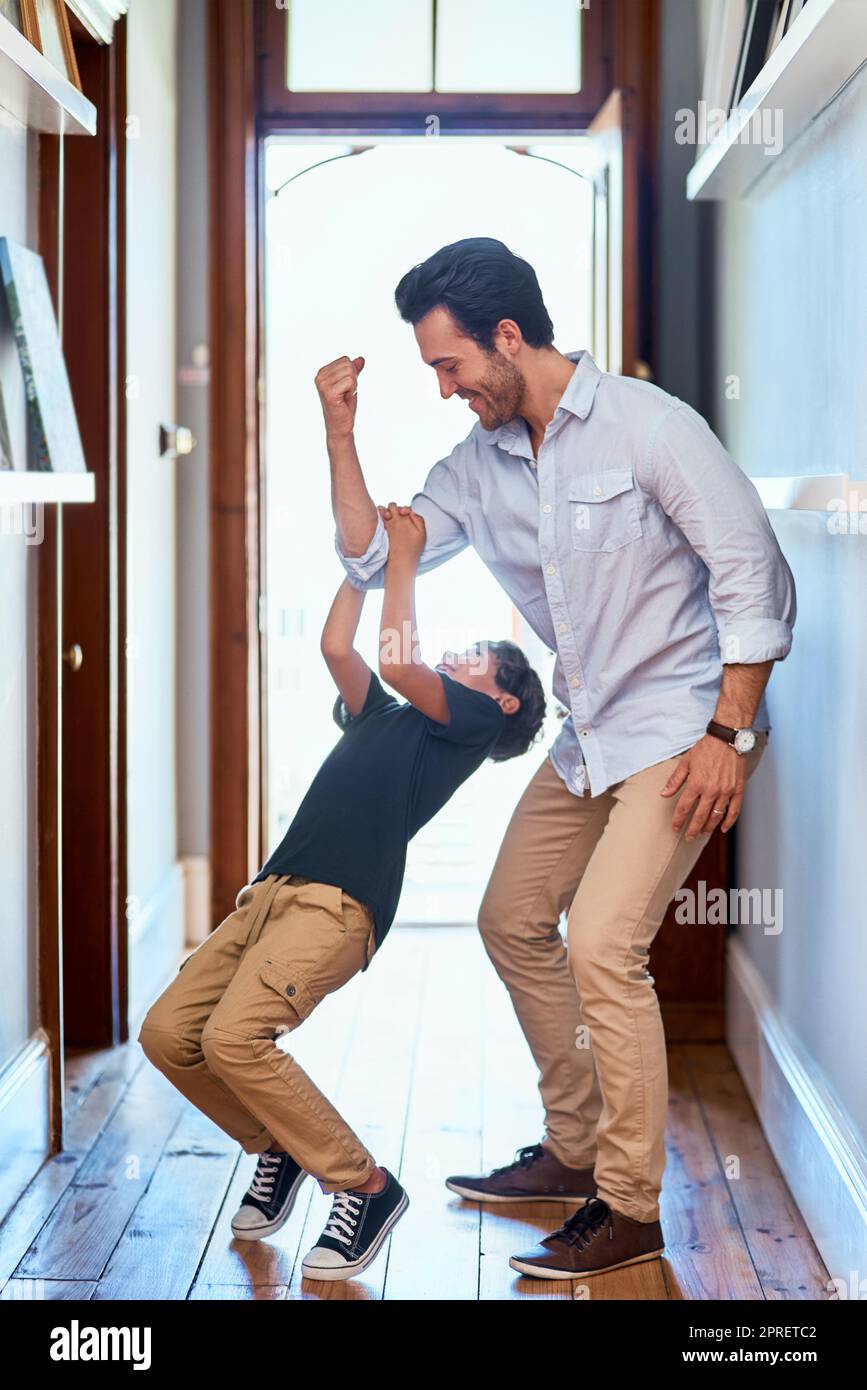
(480,281)
(515,675)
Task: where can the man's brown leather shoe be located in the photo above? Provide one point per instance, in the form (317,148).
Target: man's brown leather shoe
(535,1176)
(595,1239)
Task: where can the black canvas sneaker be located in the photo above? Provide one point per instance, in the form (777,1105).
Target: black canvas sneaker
(355,1231)
(268,1201)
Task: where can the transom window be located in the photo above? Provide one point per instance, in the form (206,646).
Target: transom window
(434,46)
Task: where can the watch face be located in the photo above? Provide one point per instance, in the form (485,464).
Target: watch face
(744,741)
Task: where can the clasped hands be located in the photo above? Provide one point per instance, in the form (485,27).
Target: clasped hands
(406,531)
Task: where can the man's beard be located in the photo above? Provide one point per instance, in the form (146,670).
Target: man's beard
(501,390)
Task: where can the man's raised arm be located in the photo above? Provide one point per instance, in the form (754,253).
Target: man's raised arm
(361,539)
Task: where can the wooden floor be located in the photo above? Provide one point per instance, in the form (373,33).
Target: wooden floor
(425,1059)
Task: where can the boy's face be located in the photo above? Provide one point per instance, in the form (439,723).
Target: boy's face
(477,668)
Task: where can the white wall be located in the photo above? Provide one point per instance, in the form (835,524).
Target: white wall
(791,309)
(772,289)
(151,539)
(18,923)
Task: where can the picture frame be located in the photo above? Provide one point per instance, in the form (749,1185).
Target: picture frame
(53,438)
(778,26)
(7,460)
(754,46)
(21,14)
(795,7)
(54,37)
(727,25)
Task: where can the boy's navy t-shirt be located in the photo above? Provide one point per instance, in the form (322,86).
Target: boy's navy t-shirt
(384,779)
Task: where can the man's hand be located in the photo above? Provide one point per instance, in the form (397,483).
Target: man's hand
(714,778)
(406,532)
(337,384)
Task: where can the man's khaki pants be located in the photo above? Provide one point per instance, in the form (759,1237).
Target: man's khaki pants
(213,1032)
(588,1008)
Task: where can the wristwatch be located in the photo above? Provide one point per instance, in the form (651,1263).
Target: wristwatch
(741,740)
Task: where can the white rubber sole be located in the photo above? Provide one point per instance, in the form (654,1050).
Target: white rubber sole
(535,1272)
(349,1271)
(268,1228)
(470,1196)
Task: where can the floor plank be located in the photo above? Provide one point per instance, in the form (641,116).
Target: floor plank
(706,1255)
(163,1242)
(107,1088)
(512,1117)
(87,1222)
(373,1090)
(434,1252)
(787,1262)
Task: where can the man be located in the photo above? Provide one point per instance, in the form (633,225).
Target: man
(637,549)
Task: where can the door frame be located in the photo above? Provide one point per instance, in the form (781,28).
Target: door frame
(234,288)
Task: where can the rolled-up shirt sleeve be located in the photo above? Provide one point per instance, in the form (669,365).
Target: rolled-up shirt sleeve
(439,502)
(751,588)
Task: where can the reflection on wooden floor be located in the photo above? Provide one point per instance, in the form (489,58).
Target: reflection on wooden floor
(424,1057)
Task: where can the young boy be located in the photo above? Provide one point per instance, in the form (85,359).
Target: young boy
(323,903)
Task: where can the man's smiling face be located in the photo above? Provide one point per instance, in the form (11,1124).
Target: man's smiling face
(491,383)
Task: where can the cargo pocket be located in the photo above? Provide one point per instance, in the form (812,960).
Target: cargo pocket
(603,510)
(293,989)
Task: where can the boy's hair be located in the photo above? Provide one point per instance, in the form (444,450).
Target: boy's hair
(516,676)
(479,281)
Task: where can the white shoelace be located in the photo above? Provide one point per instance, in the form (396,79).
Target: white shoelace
(266,1172)
(342,1221)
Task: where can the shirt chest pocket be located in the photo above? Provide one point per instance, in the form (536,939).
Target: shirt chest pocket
(603,510)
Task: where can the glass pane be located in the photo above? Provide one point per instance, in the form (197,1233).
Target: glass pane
(508,46)
(341,46)
(319,303)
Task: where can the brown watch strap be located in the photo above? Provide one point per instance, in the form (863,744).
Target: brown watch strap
(721,731)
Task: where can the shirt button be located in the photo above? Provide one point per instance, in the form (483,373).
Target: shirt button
(547,507)
(584,733)
(575,680)
(290,990)
(607,546)
(597,492)
(552,569)
(561,627)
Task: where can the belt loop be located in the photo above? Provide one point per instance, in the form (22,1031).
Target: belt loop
(263,907)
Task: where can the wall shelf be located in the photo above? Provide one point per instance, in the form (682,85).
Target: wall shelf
(19,487)
(35,93)
(822,50)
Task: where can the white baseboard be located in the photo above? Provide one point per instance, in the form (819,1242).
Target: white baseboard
(25,1130)
(196,869)
(820,1155)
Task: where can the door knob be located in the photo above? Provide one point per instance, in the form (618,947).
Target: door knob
(176,440)
(74,657)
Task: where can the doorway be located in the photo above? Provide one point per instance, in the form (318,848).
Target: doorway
(343,220)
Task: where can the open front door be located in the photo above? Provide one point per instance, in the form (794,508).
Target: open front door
(614,170)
